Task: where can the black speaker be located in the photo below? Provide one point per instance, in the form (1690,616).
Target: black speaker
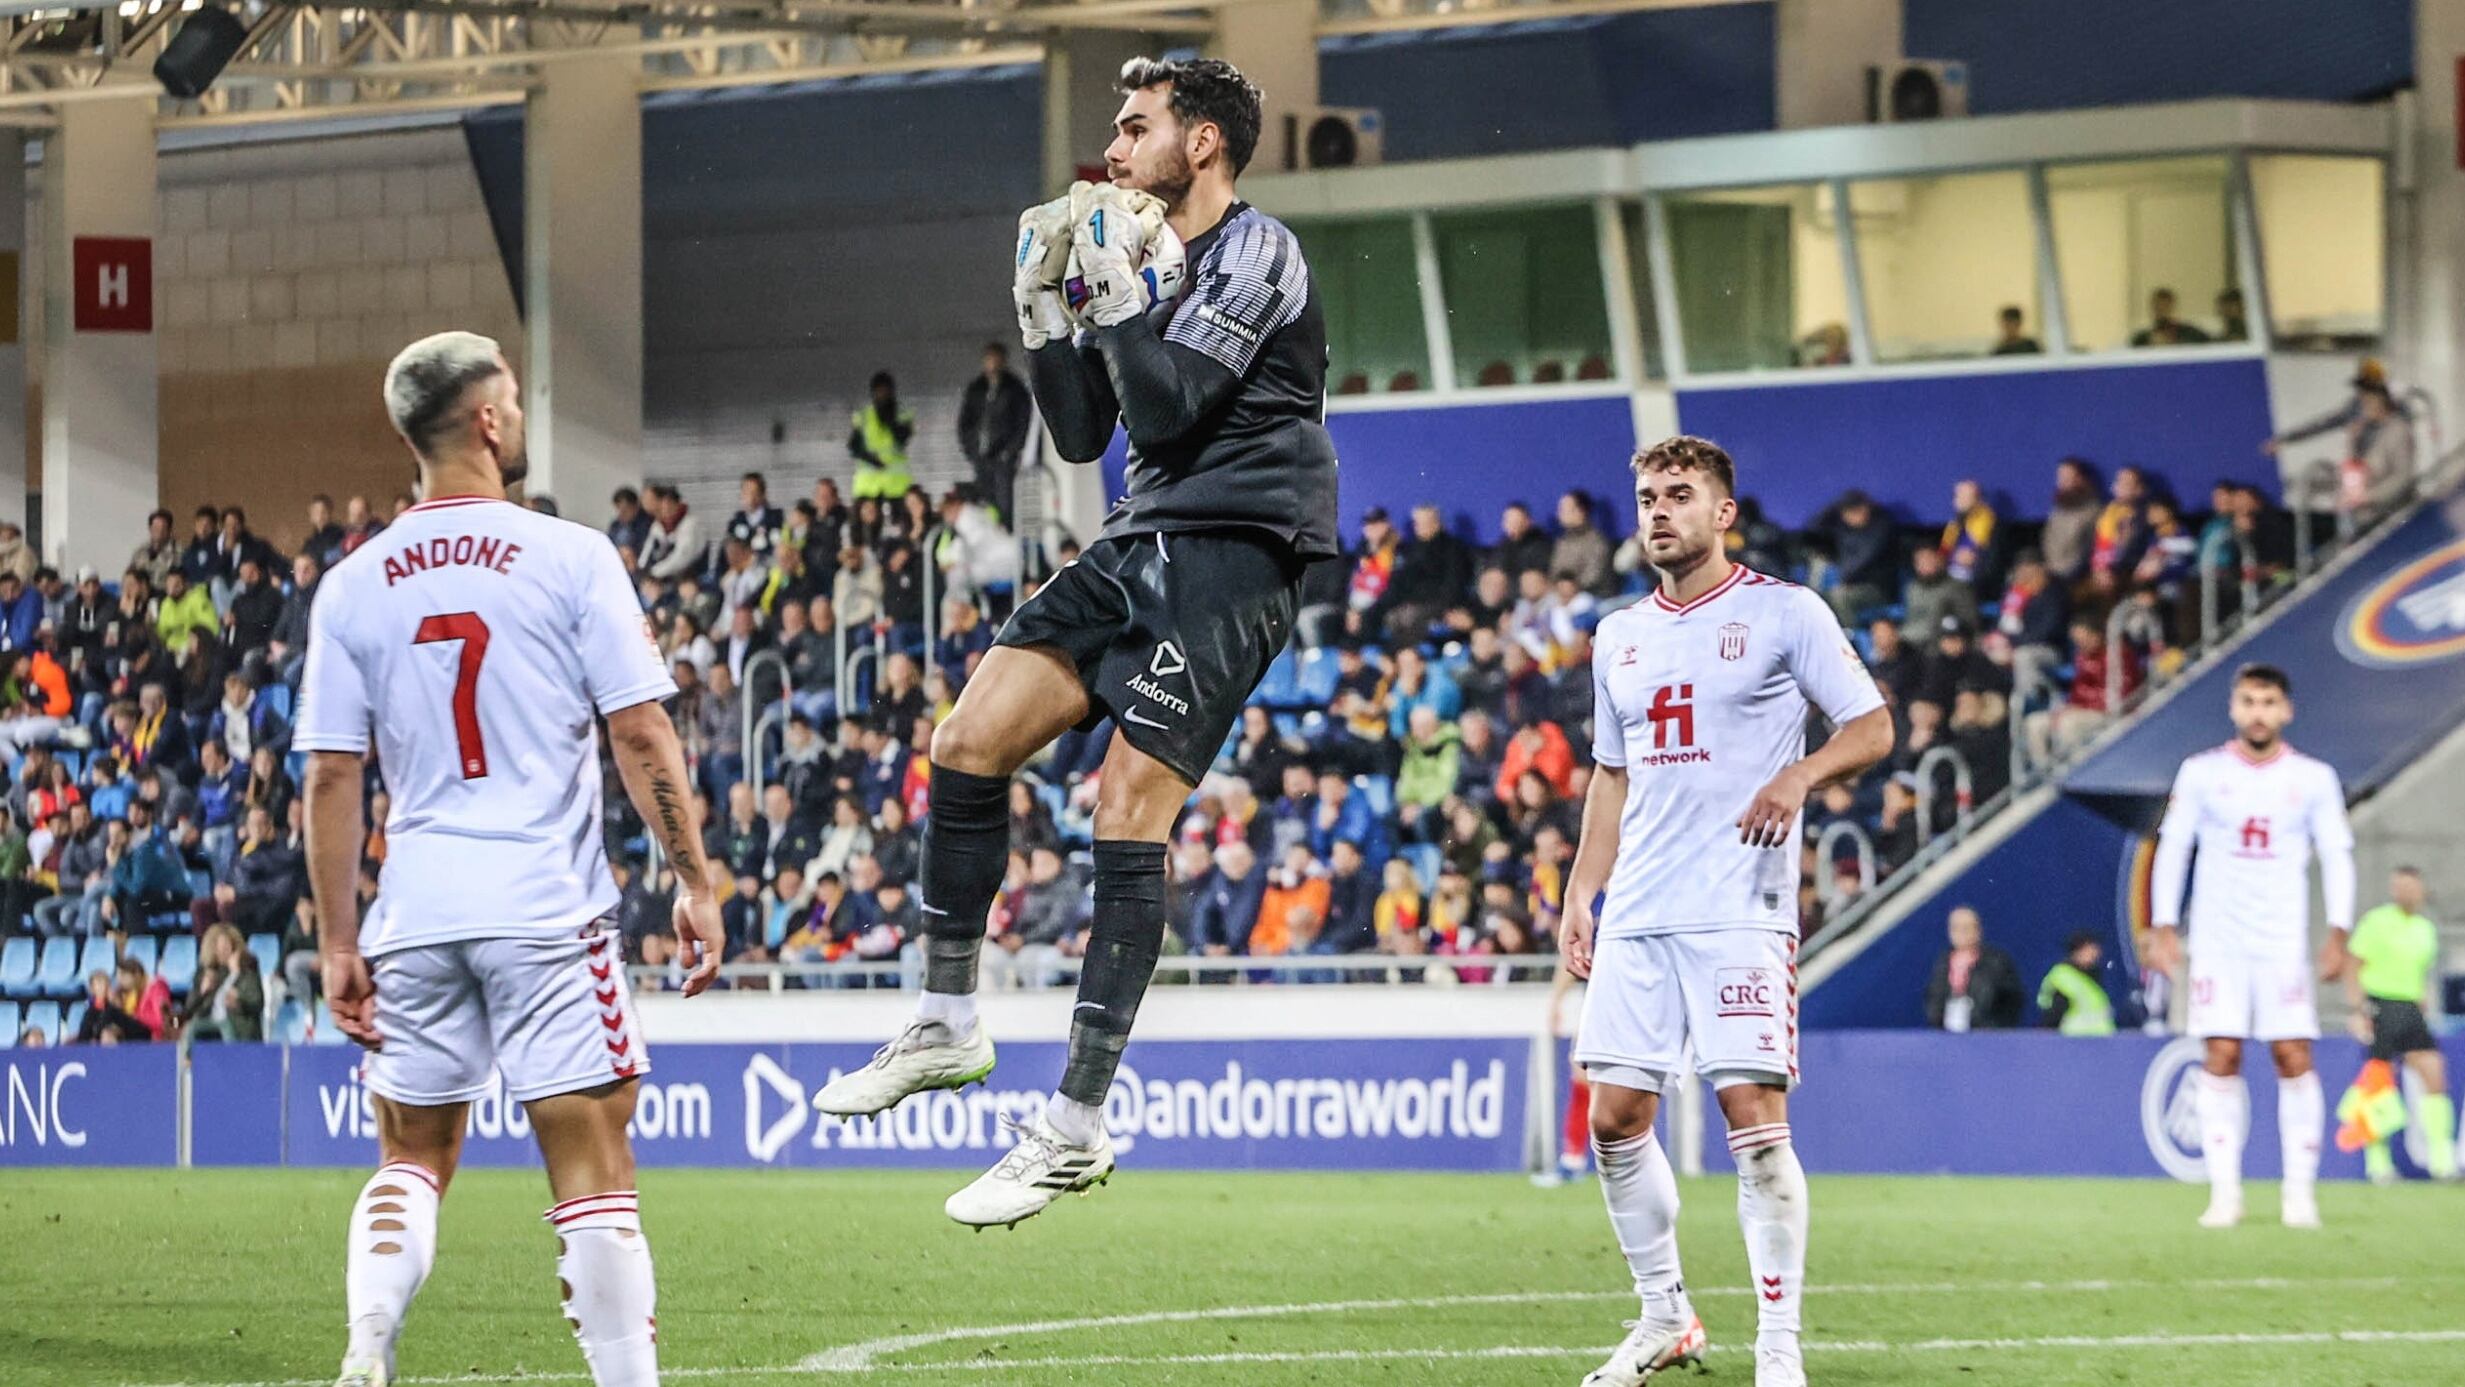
(205,44)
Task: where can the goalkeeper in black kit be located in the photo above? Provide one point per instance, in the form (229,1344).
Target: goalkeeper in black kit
(1166,622)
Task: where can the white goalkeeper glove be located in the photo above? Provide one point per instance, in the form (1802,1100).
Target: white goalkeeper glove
(1042,261)
(1111,229)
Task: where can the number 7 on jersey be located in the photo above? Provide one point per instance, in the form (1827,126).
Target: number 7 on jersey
(467,628)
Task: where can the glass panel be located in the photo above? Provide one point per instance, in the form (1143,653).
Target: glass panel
(1639,273)
(1759,278)
(1948,261)
(1369,287)
(2146,253)
(2323,234)
(1523,295)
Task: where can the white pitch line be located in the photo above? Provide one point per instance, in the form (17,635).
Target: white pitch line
(861,1356)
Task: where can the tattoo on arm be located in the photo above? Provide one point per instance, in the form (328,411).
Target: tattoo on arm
(675,822)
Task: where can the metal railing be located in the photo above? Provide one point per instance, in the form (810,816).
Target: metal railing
(1929,784)
(749,710)
(1234,970)
(931,581)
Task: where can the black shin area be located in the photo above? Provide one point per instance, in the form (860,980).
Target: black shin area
(1121,951)
(966,848)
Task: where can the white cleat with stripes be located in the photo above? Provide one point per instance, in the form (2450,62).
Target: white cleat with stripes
(927,1055)
(1041,1168)
(362,1371)
(1648,1351)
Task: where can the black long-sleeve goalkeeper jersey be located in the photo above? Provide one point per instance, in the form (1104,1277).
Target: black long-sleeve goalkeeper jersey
(1224,394)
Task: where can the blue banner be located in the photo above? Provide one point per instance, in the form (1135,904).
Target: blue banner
(1420,1104)
(90,1105)
(2032,1103)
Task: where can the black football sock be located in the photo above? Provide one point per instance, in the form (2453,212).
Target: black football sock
(966,850)
(1122,947)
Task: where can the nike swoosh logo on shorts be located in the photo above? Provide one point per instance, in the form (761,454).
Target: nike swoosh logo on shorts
(1132,714)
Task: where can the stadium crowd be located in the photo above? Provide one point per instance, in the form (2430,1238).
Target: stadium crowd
(1406,782)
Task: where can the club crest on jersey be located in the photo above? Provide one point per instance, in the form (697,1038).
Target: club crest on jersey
(1733,641)
(1626,656)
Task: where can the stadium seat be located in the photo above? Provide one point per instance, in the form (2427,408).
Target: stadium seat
(1404,381)
(141,950)
(1379,791)
(268,949)
(17,967)
(291,1023)
(96,957)
(277,698)
(12,1022)
(200,883)
(1316,685)
(179,963)
(75,1017)
(56,974)
(1281,688)
(45,1017)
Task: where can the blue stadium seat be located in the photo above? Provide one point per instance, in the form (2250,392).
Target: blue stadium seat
(96,957)
(1379,791)
(141,950)
(45,1017)
(17,967)
(268,949)
(56,974)
(200,883)
(75,1017)
(12,1023)
(291,1023)
(1281,687)
(179,963)
(277,697)
(1426,860)
(1288,725)
(1318,676)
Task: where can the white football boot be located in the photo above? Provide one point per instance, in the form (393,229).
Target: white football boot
(1041,1168)
(2223,1212)
(927,1055)
(2300,1210)
(1780,1365)
(1649,1350)
(363,1371)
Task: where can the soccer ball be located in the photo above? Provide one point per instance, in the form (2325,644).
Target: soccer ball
(1164,268)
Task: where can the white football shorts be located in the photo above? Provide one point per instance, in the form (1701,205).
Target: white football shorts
(1729,996)
(2236,995)
(552,1015)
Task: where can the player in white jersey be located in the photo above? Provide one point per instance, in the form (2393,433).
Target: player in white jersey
(1700,696)
(472,648)
(2257,812)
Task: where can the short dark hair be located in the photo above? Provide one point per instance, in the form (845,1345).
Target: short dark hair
(235,513)
(756,477)
(161,515)
(321,499)
(2409,870)
(1205,89)
(2012,312)
(2079,939)
(2269,675)
(626,495)
(1687,453)
(997,349)
(207,513)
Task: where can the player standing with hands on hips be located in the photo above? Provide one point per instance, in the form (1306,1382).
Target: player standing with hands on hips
(1166,623)
(2257,811)
(474,646)
(1700,695)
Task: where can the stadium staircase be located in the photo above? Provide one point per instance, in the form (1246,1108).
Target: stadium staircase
(2372,638)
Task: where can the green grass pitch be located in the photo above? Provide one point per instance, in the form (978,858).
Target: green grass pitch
(223,1277)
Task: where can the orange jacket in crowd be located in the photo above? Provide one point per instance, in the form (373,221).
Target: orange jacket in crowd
(1273,933)
(1550,755)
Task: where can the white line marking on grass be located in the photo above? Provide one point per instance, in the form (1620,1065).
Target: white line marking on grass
(861,1357)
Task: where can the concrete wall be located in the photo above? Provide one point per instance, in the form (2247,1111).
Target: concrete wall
(286,276)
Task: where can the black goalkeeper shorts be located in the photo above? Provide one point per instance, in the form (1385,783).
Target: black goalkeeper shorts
(1170,633)
(2397,1029)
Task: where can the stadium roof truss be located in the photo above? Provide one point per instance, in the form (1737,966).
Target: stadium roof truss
(310,61)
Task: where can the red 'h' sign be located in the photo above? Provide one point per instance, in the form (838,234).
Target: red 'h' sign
(115,283)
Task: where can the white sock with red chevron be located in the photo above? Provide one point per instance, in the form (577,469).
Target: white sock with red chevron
(1643,1211)
(2302,1115)
(603,1268)
(393,1244)
(2223,1106)
(1771,1210)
